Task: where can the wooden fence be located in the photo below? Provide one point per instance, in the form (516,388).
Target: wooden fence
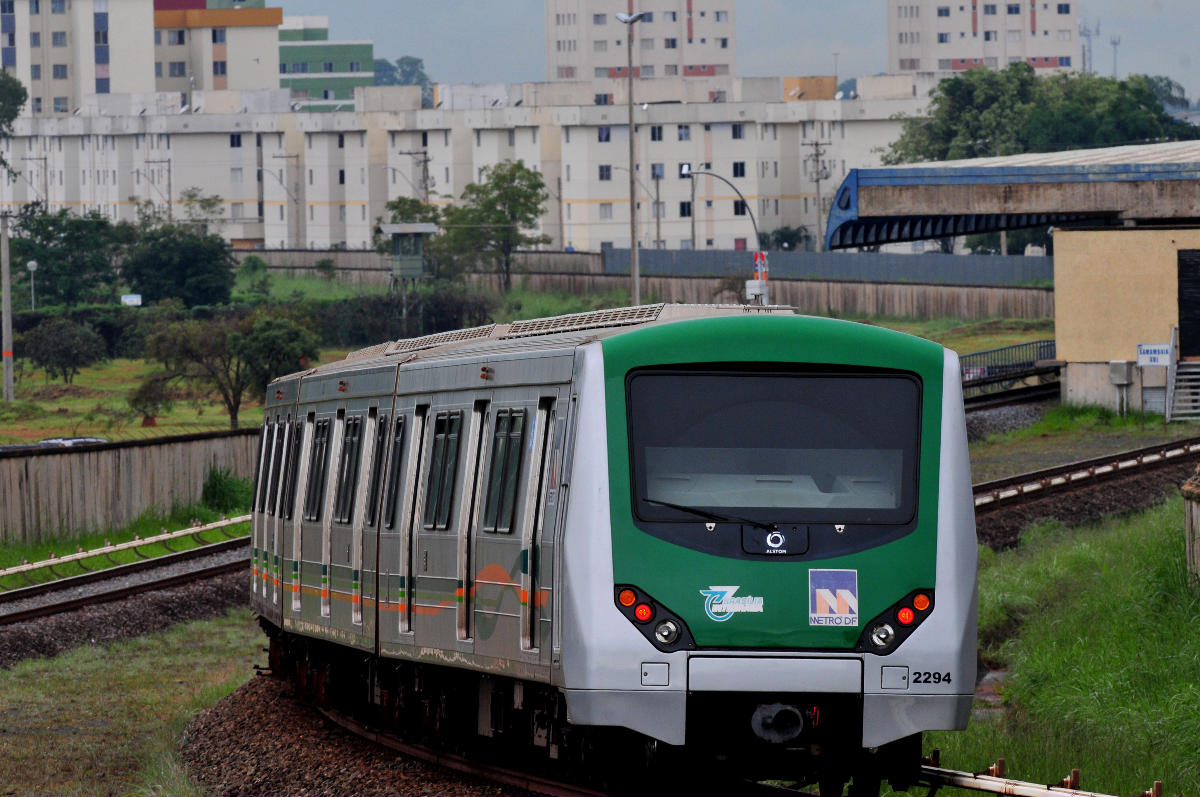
(819,297)
(67,492)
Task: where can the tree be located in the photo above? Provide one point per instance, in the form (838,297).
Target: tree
(76,255)
(175,261)
(406,71)
(985,113)
(62,347)
(1168,92)
(233,355)
(12,98)
(201,212)
(489,222)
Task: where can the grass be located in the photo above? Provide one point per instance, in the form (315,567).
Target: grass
(966,337)
(521,304)
(1066,434)
(286,288)
(1094,625)
(107,720)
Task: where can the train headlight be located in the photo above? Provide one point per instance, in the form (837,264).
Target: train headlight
(667,632)
(882,635)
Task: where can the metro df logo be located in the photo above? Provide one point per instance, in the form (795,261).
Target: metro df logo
(833,597)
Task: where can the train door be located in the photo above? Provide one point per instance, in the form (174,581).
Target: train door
(511,472)
(401,489)
(257,534)
(451,451)
(281,511)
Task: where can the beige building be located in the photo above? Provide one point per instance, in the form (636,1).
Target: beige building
(955,35)
(315,180)
(676,38)
(216,49)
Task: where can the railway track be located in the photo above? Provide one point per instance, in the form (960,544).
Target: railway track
(1025,394)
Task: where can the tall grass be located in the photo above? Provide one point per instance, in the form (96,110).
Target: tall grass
(1096,628)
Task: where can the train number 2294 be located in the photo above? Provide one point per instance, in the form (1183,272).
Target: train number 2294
(920,677)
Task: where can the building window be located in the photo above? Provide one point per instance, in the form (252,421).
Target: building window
(648,16)
(599,19)
(721,16)
(739,130)
(600,46)
(1014,36)
(341,176)
(60,104)
(356,66)
(739,207)
(158,68)
(989,35)
(670,44)
(327,66)
(943,11)
(1064,60)
(35,71)
(1064,8)
(177,69)
(235,175)
(647,44)
(685,210)
(989,9)
(739,168)
(59,71)
(656,132)
(1014,9)
(235,140)
(282,68)
(670,16)
(299,68)
(605,211)
(943,38)
(35,7)
(219,67)
(341,140)
(602,99)
(36,105)
(218,35)
(35,39)
(176,37)
(603,134)
(58,6)
(605,172)
(101,37)
(58,38)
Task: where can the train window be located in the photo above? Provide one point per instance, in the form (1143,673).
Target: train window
(343,502)
(264,448)
(376,477)
(314,491)
(393,487)
(272,499)
(447,429)
(293,467)
(502,477)
(775,448)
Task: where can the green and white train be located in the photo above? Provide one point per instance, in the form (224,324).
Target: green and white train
(728,532)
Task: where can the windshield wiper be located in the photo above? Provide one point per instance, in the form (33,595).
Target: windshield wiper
(713,516)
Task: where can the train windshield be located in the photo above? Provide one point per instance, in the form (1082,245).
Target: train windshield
(774,447)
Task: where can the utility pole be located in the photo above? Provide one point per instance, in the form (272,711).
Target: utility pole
(1115,41)
(6,344)
(658,211)
(294,217)
(422,158)
(1087,34)
(819,174)
(634,266)
(693,181)
(45,179)
(170,193)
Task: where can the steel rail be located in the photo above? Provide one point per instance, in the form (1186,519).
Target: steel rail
(993,780)
(119,593)
(989,494)
(1017,395)
(117,571)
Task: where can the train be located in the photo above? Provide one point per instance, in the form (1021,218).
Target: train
(726,534)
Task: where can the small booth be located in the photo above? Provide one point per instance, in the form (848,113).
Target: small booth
(408,248)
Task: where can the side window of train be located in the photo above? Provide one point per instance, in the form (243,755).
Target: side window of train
(264,451)
(314,491)
(293,469)
(347,478)
(277,462)
(443,467)
(394,499)
(375,485)
(503,473)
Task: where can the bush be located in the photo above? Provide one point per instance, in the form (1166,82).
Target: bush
(224,492)
(62,347)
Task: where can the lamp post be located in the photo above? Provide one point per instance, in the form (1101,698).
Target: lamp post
(689,171)
(634,270)
(32,266)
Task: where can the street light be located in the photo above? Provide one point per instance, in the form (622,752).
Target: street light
(32,266)
(688,171)
(634,270)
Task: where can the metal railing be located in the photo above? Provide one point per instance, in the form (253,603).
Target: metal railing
(991,364)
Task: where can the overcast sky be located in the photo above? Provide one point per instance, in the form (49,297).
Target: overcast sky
(475,41)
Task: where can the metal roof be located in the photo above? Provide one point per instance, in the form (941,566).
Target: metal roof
(1150,182)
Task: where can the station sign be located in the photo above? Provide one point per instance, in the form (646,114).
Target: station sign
(1153,353)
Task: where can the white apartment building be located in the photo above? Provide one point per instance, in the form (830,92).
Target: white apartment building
(675,38)
(955,35)
(315,180)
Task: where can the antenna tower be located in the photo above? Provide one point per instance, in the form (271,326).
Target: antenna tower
(1115,41)
(1088,33)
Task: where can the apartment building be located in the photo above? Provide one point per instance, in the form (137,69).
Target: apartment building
(315,180)
(63,51)
(954,35)
(675,38)
(322,74)
(202,45)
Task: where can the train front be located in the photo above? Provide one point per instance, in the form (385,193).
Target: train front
(789,581)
